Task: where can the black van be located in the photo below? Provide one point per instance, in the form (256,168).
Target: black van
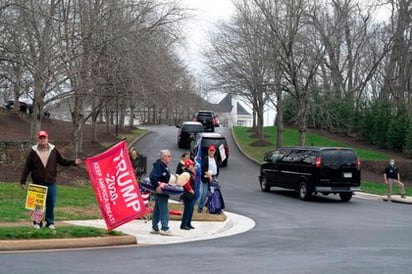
(312,170)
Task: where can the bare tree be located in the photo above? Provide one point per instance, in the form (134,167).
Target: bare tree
(299,58)
(240,60)
(398,69)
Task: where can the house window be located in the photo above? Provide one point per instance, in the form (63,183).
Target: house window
(241,123)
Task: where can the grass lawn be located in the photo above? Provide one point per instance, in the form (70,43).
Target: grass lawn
(290,137)
(74,202)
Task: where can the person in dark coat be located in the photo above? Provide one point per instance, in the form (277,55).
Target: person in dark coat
(161,173)
(42,162)
(392,176)
(181,165)
(138,162)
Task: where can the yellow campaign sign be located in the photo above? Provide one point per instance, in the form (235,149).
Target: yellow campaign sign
(36,197)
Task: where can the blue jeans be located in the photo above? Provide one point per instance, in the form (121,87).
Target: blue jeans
(160,212)
(188,212)
(204,187)
(50,203)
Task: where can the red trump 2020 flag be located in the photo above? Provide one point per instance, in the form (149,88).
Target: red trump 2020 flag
(114,182)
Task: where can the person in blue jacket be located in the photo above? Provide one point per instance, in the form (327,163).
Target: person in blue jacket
(161,174)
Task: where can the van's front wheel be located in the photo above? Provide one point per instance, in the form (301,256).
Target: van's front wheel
(264,186)
(345,196)
(304,192)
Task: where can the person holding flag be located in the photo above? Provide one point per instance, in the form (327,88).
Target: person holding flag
(161,173)
(42,162)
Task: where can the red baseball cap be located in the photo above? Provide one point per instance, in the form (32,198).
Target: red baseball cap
(188,163)
(42,133)
(211,147)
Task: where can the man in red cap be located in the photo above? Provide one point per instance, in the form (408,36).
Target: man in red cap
(210,170)
(42,162)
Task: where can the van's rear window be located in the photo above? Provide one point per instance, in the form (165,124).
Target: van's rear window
(194,128)
(338,156)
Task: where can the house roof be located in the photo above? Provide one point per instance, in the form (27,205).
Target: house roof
(241,110)
(225,105)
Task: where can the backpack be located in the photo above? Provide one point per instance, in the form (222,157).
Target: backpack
(215,202)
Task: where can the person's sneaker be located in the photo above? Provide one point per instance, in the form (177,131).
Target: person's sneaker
(166,232)
(154,231)
(52,227)
(36,226)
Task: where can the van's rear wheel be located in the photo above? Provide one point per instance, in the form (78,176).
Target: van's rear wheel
(264,186)
(345,196)
(304,192)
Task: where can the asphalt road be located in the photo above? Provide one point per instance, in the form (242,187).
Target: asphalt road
(291,236)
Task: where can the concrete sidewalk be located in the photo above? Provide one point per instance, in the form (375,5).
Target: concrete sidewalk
(137,233)
(234,224)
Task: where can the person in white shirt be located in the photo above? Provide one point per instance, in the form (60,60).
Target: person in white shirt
(210,171)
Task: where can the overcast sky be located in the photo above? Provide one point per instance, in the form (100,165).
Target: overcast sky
(206,13)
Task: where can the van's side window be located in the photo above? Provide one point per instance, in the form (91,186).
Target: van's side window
(298,156)
(274,156)
(309,157)
(287,156)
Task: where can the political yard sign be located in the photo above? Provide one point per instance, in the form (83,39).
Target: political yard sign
(36,197)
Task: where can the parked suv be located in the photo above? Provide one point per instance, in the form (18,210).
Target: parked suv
(312,170)
(23,107)
(207,118)
(204,140)
(187,132)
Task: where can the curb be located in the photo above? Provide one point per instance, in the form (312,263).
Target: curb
(383,198)
(42,244)
(137,139)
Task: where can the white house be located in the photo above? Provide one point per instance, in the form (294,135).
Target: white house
(232,113)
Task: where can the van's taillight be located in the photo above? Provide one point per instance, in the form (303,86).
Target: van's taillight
(318,162)
(358,163)
(227,149)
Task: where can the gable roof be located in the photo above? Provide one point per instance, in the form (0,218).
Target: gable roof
(225,105)
(241,110)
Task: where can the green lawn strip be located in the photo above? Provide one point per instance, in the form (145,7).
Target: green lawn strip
(381,188)
(74,202)
(130,136)
(290,138)
(28,232)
